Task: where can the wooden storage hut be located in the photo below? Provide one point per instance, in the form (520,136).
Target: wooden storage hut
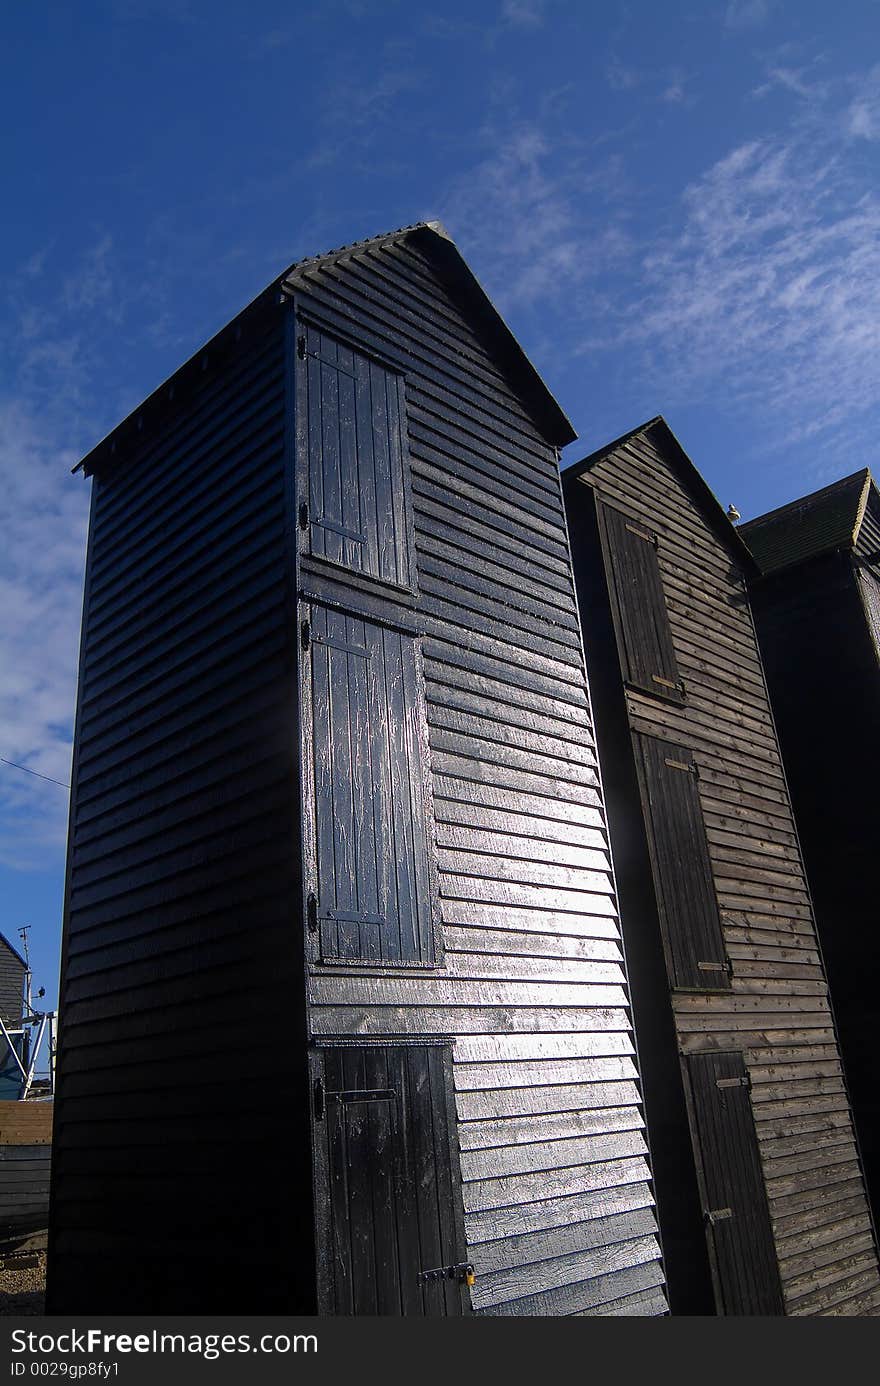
(759,1189)
(344,1009)
(817,612)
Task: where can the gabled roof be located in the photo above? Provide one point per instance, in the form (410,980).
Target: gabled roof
(819,523)
(14,951)
(691,479)
(432,238)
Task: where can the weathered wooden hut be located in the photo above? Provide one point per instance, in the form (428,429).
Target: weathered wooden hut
(759,1190)
(817,612)
(344,1009)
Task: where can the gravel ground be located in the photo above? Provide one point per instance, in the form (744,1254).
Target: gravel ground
(23,1283)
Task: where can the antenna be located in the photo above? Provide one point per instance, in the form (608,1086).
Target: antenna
(23,935)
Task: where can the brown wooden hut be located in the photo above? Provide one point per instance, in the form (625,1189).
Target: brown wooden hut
(760,1195)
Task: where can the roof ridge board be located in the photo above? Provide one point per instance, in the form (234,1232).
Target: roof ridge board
(862,506)
(807,501)
(355,248)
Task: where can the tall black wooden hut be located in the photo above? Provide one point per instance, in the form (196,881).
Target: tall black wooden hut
(759,1190)
(344,1008)
(817,611)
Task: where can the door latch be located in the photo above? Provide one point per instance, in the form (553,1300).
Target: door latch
(463,1273)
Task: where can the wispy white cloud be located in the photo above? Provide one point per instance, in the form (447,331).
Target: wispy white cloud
(41,563)
(797,80)
(675,91)
(768,293)
(524,14)
(755,289)
(360,110)
(864,110)
(521,211)
(620,77)
(64,332)
(747,14)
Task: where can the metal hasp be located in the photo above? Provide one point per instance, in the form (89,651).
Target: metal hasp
(463,1273)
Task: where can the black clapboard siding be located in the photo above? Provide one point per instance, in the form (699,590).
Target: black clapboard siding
(776,1008)
(24,1187)
(183,790)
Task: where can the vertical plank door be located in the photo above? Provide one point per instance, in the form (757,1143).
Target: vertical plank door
(389,1205)
(735,1207)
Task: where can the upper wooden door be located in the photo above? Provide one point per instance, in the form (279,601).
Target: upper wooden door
(352,434)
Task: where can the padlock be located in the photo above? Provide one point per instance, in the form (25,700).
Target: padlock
(470,1275)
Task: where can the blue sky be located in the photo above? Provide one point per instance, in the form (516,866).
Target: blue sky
(674,205)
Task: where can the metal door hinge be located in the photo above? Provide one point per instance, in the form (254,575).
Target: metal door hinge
(713,1215)
(304,516)
(312,912)
(744,1082)
(305,635)
(319,1101)
(725,966)
(301,347)
(689,769)
(648,535)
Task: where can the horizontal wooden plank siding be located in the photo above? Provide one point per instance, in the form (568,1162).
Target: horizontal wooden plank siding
(776,1011)
(182,865)
(24,1186)
(531,984)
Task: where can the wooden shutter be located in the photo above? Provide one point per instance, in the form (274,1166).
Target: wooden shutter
(357,510)
(392,1206)
(372,897)
(644,638)
(735,1207)
(682,870)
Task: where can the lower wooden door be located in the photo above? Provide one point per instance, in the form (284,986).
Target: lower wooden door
(742,1249)
(389,1212)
